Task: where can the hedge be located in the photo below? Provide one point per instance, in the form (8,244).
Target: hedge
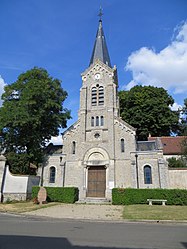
(58,194)
(139,196)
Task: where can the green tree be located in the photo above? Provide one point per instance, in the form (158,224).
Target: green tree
(183,123)
(147,108)
(183,130)
(32,112)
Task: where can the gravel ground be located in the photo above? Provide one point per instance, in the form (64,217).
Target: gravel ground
(81,211)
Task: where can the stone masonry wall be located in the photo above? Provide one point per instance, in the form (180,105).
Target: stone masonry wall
(178,178)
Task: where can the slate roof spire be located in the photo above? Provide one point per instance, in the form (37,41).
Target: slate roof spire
(100,50)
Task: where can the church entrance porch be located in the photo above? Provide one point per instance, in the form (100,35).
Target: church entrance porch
(96,181)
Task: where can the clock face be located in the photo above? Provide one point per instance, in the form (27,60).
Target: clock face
(97,76)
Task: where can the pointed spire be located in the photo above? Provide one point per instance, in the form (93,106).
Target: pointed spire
(100,50)
(100,14)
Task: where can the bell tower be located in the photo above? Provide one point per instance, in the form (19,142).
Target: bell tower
(98,95)
(95,157)
(99,150)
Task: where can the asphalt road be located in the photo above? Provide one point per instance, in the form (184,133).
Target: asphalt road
(20,232)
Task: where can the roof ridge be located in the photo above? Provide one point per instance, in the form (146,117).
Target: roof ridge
(169,137)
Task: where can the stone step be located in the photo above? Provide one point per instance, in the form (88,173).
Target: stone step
(90,200)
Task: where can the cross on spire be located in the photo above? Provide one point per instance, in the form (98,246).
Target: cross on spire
(100,14)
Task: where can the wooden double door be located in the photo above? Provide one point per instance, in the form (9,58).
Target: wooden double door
(96,181)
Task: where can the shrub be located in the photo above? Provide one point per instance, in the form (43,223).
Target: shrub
(176,162)
(140,196)
(58,194)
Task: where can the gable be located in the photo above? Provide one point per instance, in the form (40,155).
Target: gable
(98,65)
(52,149)
(124,125)
(101,68)
(72,129)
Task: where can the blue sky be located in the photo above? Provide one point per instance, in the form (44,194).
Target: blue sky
(147,40)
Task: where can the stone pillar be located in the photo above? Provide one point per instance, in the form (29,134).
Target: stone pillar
(2,175)
(163,173)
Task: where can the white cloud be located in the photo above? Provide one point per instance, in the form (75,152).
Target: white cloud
(167,68)
(176,107)
(2,85)
(56,140)
(131,84)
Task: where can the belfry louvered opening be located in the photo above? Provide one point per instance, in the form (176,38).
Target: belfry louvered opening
(97,95)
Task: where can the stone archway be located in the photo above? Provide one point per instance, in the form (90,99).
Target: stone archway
(96,163)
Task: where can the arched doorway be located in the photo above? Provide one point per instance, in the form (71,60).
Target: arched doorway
(96,173)
(96,181)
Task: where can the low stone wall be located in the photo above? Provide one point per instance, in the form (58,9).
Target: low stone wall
(16,197)
(178,178)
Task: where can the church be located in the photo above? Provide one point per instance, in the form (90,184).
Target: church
(100,151)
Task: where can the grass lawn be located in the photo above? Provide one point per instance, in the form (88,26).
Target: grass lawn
(21,207)
(155,212)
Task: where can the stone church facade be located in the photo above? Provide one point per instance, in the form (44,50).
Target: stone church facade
(100,150)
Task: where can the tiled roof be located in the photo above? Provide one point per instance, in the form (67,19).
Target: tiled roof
(171,145)
(53,149)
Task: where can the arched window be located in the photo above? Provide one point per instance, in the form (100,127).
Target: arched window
(97,121)
(147,175)
(97,95)
(122,145)
(52,174)
(92,121)
(94,96)
(101,95)
(73,147)
(102,120)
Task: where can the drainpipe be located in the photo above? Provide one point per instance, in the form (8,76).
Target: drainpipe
(137,178)
(63,173)
(42,176)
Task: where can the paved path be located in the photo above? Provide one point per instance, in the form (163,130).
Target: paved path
(81,211)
